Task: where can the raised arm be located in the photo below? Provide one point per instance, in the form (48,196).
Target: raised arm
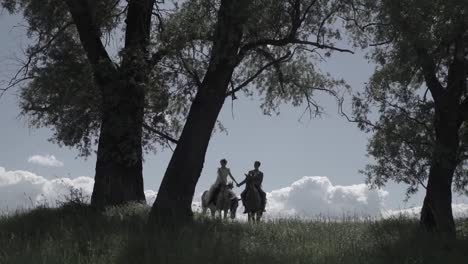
(232,177)
(242,182)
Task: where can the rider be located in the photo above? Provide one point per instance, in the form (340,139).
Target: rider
(221,180)
(256,176)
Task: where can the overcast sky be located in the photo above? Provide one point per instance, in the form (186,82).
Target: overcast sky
(289,148)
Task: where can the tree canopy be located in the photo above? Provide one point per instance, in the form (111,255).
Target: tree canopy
(419,90)
(57,83)
(397,104)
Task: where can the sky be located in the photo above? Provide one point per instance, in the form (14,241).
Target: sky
(289,147)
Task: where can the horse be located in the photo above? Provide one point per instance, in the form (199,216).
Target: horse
(225,201)
(252,203)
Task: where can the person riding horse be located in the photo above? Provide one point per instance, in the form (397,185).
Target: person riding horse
(221,180)
(226,201)
(254,177)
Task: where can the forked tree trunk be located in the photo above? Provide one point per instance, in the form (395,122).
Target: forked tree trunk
(118,177)
(450,114)
(436,213)
(174,199)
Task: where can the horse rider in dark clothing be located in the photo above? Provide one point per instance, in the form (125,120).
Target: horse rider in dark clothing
(254,176)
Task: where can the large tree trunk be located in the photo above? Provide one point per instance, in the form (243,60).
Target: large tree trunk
(436,213)
(177,188)
(118,176)
(174,199)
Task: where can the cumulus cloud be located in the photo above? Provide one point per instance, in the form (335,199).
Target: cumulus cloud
(22,190)
(308,197)
(316,196)
(45,160)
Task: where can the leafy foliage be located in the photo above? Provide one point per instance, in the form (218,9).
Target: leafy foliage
(397,105)
(283,40)
(58,89)
(282,44)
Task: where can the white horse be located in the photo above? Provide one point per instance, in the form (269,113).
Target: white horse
(226,201)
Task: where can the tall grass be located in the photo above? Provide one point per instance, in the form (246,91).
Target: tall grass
(75,233)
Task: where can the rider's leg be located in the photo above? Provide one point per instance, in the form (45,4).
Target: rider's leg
(263,194)
(243,199)
(214,195)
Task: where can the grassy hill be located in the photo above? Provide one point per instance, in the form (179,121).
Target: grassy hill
(75,233)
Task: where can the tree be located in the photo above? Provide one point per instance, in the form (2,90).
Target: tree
(270,45)
(83,92)
(420,92)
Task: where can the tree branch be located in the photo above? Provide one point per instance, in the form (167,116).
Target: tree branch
(262,69)
(160,134)
(464,110)
(90,39)
(24,70)
(429,71)
(456,79)
(291,38)
(285,41)
(192,73)
(157,57)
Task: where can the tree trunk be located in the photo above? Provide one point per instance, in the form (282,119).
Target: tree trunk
(436,213)
(119,176)
(174,199)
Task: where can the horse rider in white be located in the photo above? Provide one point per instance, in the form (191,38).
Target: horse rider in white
(221,179)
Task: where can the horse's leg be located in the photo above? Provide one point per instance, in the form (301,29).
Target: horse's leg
(213,212)
(259,216)
(225,214)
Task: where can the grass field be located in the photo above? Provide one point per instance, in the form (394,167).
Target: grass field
(75,233)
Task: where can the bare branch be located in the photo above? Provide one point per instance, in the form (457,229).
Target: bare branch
(160,134)
(23,71)
(291,38)
(285,41)
(259,71)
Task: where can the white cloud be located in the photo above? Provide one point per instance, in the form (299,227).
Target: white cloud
(317,196)
(459,210)
(308,197)
(45,160)
(150,196)
(22,190)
